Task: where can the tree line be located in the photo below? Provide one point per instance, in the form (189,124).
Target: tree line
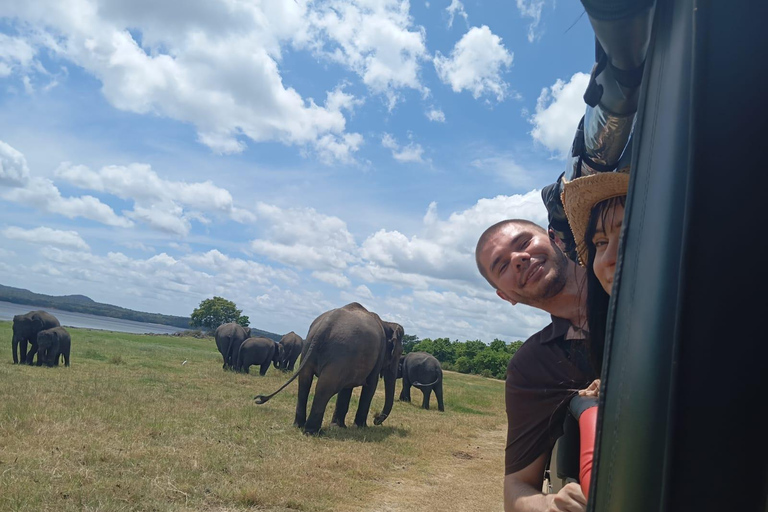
(472,356)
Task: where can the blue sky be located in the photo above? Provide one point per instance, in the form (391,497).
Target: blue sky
(291,156)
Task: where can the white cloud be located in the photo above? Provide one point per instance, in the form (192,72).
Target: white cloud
(411,153)
(305,238)
(336,279)
(15,53)
(436,115)
(43,195)
(558,111)
(13,167)
(212,65)
(163,204)
(445,249)
(531,9)
(455,8)
(46,236)
(376,39)
(476,64)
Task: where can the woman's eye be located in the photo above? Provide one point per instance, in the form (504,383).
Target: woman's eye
(600,243)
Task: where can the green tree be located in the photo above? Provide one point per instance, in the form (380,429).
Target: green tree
(211,313)
(409,341)
(498,345)
(464,365)
(443,350)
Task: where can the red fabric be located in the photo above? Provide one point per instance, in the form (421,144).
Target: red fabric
(587,428)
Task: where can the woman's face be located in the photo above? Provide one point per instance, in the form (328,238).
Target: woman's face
(606,242)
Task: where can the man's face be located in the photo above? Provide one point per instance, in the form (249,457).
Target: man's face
(524,264)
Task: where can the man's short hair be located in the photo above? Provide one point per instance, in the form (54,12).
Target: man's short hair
(491,231)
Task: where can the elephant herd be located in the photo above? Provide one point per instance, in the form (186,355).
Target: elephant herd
(45,336)
(352,347)
(240,351)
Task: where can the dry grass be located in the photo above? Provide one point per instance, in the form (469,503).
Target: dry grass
(128,427)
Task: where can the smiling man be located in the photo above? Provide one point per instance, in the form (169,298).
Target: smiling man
(525,265)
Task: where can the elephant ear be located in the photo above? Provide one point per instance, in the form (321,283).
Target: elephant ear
(394,333)
(37,323)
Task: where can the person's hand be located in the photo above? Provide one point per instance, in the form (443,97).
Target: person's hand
(569,499)
(593,390)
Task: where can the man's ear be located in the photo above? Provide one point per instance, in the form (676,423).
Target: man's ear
(505,297)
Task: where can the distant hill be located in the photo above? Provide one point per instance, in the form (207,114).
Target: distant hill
(83,304)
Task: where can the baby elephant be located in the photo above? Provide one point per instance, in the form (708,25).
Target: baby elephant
(257,351)
(423,371)
(52,343)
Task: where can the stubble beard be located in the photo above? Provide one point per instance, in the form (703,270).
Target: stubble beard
(557,282)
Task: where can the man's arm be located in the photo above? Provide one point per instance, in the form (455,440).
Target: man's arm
(522,492)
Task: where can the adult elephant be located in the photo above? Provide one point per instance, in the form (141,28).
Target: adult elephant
(258,351)
(229,337)
(291,345)
(423,371)
(52,343)
(345,348)
(25,330)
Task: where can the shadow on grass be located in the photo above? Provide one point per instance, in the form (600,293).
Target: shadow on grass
(375,434)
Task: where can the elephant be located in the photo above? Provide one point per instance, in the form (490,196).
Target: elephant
(25,329)
(345,348)
(52,343)
(291,345)
(423,371)
(229,337)
(258,351)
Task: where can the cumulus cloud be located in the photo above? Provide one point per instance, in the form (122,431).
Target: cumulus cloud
(455,8)
(375,39)
(13,167)
(410,153)
(445,249)
(476,64)
(558,111)
(436,115)
(15,53)
(46,236)
(163,204)
(336,279)
(305,238)
(42,194)
(212,65)
(531,9)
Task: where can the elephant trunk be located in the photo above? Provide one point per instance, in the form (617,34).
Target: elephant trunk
(390,378)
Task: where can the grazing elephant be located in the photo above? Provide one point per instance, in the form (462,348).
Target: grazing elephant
(229,337)
(345,348)
(291,345)
(25,329)
(423,371)
(258,351)
(52,343)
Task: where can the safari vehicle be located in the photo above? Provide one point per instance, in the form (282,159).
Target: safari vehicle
(685,372)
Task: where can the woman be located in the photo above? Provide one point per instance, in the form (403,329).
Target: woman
(594,206)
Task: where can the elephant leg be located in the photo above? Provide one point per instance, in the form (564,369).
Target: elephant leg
(439,396)
(23,351)
(246,368)
(366,396)
(342,406)
(305,384)
(325,389)
(66,359)
(56,359)
(405,394)
(263,369)
(427,392)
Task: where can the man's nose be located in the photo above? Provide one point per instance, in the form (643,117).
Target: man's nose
(520,259)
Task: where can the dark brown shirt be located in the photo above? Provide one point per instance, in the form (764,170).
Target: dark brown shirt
(542,376)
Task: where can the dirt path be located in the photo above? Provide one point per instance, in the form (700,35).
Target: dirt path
(470,477)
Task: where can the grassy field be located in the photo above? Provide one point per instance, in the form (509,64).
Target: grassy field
(129,427)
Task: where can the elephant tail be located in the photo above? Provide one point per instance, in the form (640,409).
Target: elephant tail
(261,399)
(420,385)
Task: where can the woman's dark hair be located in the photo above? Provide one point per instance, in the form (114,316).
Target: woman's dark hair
(597,298)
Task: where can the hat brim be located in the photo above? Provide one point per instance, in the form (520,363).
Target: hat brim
(579,196)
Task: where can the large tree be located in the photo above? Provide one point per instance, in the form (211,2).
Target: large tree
(211,313)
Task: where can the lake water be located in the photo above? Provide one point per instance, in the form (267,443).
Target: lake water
(71,319)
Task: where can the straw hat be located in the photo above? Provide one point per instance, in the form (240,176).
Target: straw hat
(580,195)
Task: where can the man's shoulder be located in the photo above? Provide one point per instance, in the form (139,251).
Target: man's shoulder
(534,345)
